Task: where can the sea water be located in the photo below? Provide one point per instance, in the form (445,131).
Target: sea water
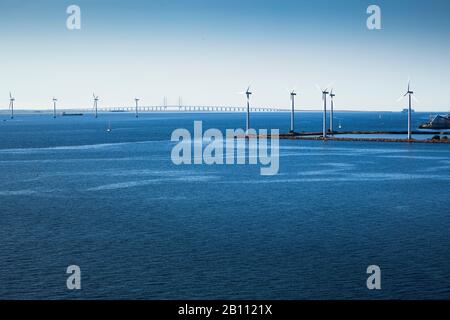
(140,227)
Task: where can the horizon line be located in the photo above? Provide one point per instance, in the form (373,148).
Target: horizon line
(34,110)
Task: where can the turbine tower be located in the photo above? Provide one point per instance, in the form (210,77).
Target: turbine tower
(248,93)
(11,105)
(332,95)
(137,106)
(324,98)
(54,107)
(293,94)
(410,95)
(95,105)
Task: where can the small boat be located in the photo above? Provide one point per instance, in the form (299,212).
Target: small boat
(109,127)
(340,125)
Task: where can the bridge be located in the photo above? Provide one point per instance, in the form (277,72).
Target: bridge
(188,109)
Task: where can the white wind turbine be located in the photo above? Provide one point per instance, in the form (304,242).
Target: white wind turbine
(248,93)
(11,105)
(95,105)
(332,95)
(292,94)
(324,98)
(137,106)
(54,107)
(410,95)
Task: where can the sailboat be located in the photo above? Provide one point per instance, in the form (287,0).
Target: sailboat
(340,124)
(109,127)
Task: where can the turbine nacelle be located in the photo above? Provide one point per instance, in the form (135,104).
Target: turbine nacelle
(248,92)
(408,92)
(325,91)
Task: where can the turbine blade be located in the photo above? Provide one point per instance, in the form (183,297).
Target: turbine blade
(415,99)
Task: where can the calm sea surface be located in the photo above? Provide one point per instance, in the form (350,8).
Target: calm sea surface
(141,227)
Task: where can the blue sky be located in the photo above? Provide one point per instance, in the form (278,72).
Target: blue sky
(206,51)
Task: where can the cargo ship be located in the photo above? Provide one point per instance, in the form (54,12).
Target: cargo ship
(437,122)
(71,114)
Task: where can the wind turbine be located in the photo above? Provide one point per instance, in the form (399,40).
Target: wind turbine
(332,95)
(54,107)
(248,93)
(137,106)
(324,98)
(95,105)
(293,94)
(410,95)
(11,105)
